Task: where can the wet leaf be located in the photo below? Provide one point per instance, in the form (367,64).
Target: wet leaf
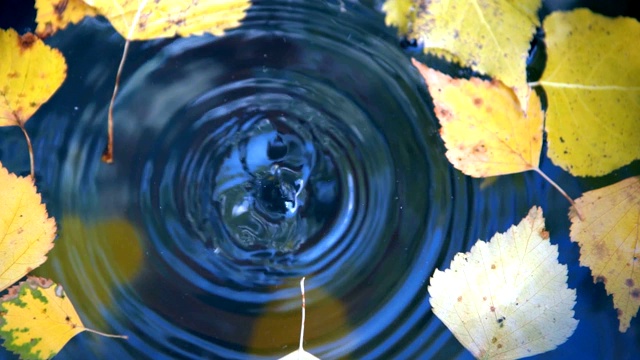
(400,13)
(38,319)
(507,298)
(26,230)
(152,19)
(609,238)
(30,72)
(54,15)
(490,36)
(592,81)
(483,126)
(301,354)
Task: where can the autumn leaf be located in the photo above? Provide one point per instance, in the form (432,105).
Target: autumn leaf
(483,126)
(490,36)
(54,15)
(507,298)
(30,73)
(400,13)
(609,238)
(152,19)
(301,354)
(592,81)
(26,230)
(38,319)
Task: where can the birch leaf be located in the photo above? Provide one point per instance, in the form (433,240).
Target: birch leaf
(54,15)
(483,126)
(152,19)
(592,81)
(609,238)
(490,36)
(507,298)
(26,230)
(38,319)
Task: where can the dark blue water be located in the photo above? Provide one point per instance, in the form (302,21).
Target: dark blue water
(300,144)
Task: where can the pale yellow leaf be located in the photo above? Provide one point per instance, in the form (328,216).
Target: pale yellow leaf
(507,298)
(151,19)
(609,238)
(490,36)
(592,81)
(26,230)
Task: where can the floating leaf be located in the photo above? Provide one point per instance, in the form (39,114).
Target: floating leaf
(483,126)
(30,72)
(507,298)
(592,81)
(38,319)
(26,230)
(152,19)
(54,15)
(609,238)
(301,354)
(399,13)
(490,36)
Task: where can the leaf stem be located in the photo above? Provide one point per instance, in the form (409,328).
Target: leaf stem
(107,155)
(560,190)
(303,313)
(106,335)
(534,83)
(31,161)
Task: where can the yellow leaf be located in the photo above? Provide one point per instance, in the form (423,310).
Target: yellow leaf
(609,238)
(38,319)
(507,298)
(26,230)
(592,81)
(54,15)
(399,13)
(30,72)
(483,126)
(151,19)
(490,36)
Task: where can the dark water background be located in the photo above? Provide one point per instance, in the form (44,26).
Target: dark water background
(300,144)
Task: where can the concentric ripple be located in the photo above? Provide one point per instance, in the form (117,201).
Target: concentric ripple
(299,144)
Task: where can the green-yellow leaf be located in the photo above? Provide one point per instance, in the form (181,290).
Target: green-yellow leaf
(490,36)
(151,19)
(38,319)
(609,238)
(26,230)
(592,81)
(507,298)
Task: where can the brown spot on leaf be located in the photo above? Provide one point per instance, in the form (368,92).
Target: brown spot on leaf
(635,293)
(13,75)
(601,279)
(494,340)
(493,266)
(479,148)
(443,114)
(620,312)
(477,102)
(459,298)
(629,282)
(60,7)
(492,308)
(26,41)
(499,346)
